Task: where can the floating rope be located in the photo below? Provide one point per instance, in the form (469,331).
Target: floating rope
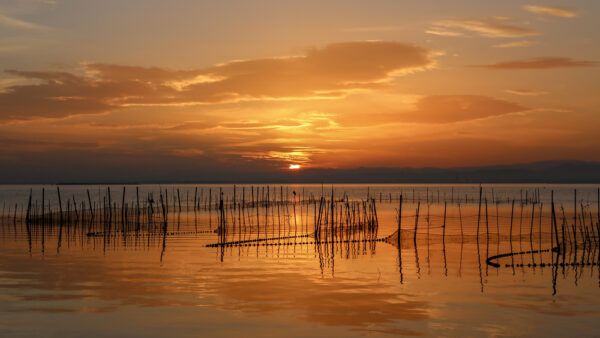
(172,233)
(262,243)
(490,260)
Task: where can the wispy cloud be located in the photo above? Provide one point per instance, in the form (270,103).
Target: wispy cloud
(440,32)
(15,23)
(457,108)
(526,92)
(5,49)
(515,44)
(561,12)
(493,28)
(541,63)
(367,29)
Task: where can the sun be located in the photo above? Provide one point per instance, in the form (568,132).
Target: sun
(294,167)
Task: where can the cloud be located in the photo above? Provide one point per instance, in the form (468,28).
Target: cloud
(458,108)
(514,44)
(368,29)
(7,47)
(493,28)
(110,72)
(432,109)
(551,11)
(443,32)
(14,23)
(60,94)
(526,92)
(542,63)
(332,71)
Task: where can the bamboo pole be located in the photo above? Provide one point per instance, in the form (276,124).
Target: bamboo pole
(59,204)
(416,223)
(399,222)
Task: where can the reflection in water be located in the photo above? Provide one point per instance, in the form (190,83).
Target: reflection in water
(271,258)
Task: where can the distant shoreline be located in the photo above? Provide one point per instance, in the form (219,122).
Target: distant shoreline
(549,172)
(497,182)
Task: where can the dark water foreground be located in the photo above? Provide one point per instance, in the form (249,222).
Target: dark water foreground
(269,275)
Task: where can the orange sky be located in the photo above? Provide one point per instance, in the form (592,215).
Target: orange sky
(270,83)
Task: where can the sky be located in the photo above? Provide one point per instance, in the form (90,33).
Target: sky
(192,88)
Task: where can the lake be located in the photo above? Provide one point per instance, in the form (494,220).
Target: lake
(271,260)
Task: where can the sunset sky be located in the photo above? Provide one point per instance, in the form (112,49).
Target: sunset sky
(193,87)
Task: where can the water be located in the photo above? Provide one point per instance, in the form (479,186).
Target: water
(61,282)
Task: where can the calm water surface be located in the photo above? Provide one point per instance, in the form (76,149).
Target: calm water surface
(144,283)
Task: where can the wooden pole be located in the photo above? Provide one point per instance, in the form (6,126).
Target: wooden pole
(444,225)
(43,206)
(399,221)
(479,210)
(28,206)
(109,205)
(575,219)
(90,203)
(123,207)
(416,223)
(59,204)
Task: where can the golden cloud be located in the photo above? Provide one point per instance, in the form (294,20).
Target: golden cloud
(440,32)
(433,109)
(457,108)
(332,71)
(561,12)
(493,28)
(526,92)
(542,63)
(14,23)
(514,44)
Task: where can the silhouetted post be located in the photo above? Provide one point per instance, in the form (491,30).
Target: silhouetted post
(487,223)
(234,196)
(540,232)
(487,234)
(244,196)
(75,209)
(575,219)
(531,233)
(164,209)
(461,223)
(167,200)
(444,240)
(598,226)
(43,206)
(90,203)
(123,208)
(59,204)
(137,203)
(28,206)
(416,223)
(479,210)
(554,225)
(109,205)
(399,222)
(444,226)
(512,212)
